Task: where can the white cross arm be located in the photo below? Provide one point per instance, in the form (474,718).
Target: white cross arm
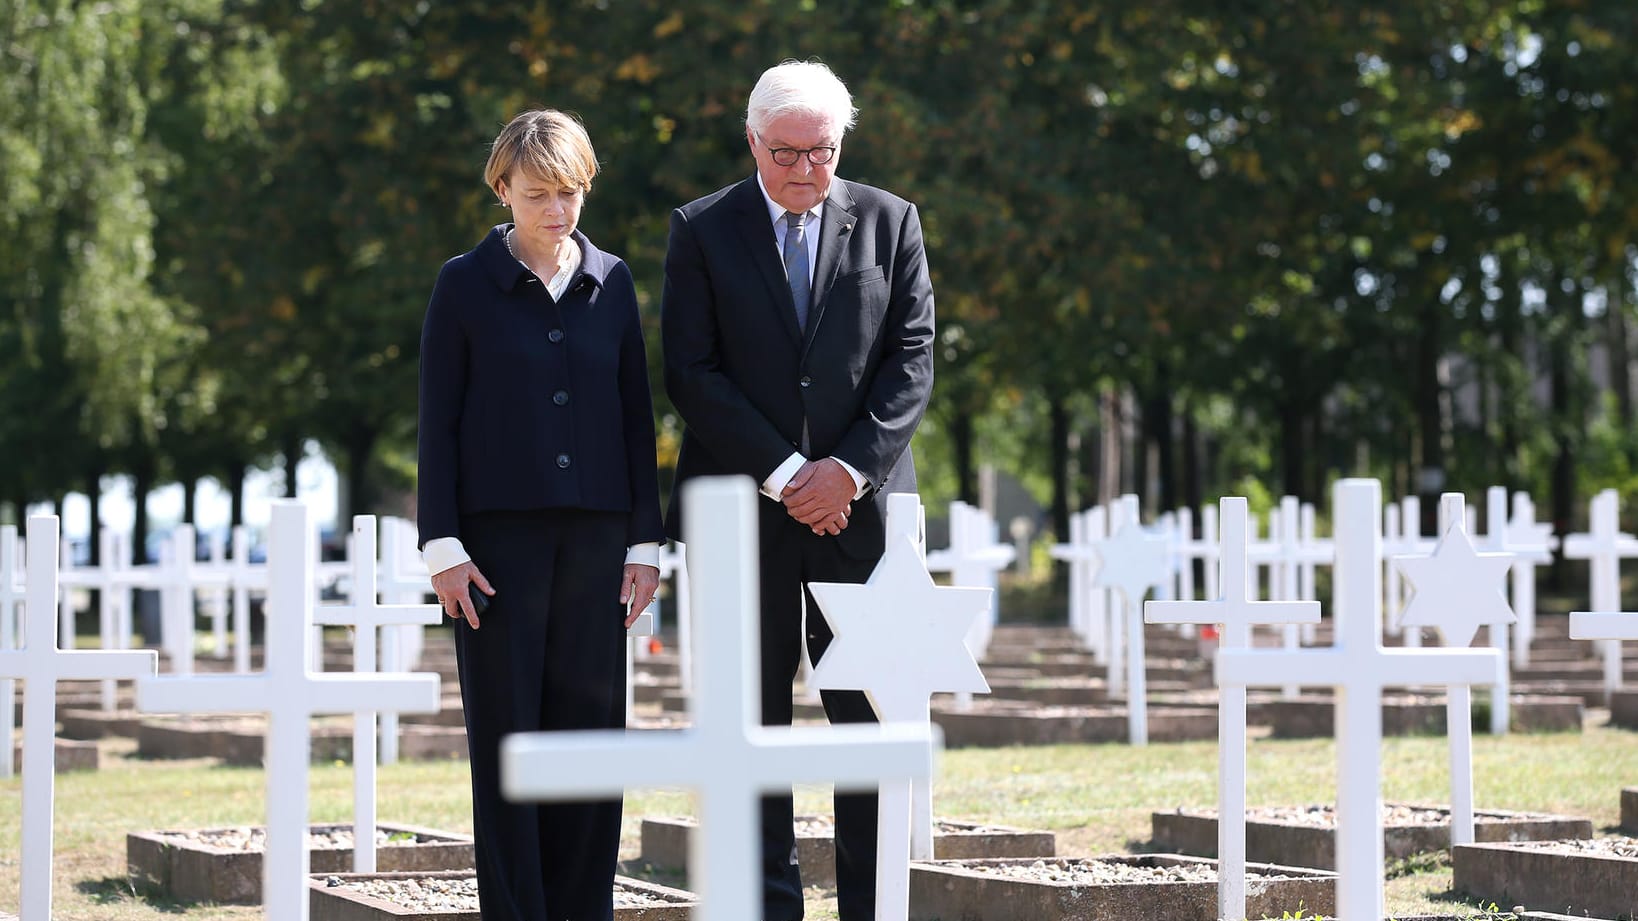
(1603,626)
(380,615)
(1072,552)
(78,665)
(338,693)
(1427,666)
(601,762)
(1588,546)
(1212,612)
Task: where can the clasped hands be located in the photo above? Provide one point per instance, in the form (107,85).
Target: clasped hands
(820,496)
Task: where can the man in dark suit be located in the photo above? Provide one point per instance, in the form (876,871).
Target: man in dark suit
(797,321)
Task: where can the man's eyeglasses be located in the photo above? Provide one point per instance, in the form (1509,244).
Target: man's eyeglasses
(787,156)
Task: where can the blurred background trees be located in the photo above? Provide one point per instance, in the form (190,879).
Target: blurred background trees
(1179,247)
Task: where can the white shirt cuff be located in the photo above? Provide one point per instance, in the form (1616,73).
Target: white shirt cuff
(441,553)
(775,483)
(647,554)
(859,482)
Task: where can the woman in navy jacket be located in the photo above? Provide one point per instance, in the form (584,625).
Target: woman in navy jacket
(537,488)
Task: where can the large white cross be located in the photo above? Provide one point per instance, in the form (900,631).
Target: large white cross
(1359,668)
(1088,604)
(725,755)
(365,616)
(1457,591)
(1133,562)
(900,610)
(290,694)
(41,664)
(1236,611)
(1604,548)
(245,577)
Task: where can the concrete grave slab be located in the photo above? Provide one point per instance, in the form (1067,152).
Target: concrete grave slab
(384,896)
(665,842)
(1597,878)
(70,755)
(1307,836)
(186,864)
(981,890)
(1314,716)
(995,723)
(1624,709)
(89,724)
(1629,810)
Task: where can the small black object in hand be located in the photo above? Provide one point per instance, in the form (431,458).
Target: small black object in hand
(480,601)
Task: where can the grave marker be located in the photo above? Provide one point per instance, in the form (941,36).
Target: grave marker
(974,559)
(1359,667)
(725,755)
(11,597)
(1604,549)
(366,616)
(1235,611)
(1458,590)
(898,611)
(1534,543)
(41,664)
(290,693)
(1133,561)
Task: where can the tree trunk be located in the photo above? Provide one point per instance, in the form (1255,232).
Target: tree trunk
(236,487)
(1193,488)
(1157,415)
(292,458)
(1620,352)
(961,449)
(142,481)
(1291,446)
(359,500)
(190,500)
(1140,454)
(1058,413)
(1430,472)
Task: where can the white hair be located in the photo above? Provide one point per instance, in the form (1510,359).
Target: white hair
(804,88)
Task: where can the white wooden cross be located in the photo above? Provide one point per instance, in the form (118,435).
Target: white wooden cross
(974,559)
(1458,590)
(41,664)
(365,616)
(1407,540)
(1236,611)
(1534,543)
(217,582)
(1133,562)
(1359,668)
(1604,548)
(1088,604)
(725,755)
(899,638)
(290,693)
(11,597)
(674,564)
(245,577)
(400,579)
(1496,541)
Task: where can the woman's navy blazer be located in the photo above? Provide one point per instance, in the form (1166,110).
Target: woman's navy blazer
(529,403)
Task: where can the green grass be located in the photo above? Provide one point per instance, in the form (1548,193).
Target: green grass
(1097,798)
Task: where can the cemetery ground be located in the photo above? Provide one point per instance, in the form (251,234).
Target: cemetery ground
(1097,798)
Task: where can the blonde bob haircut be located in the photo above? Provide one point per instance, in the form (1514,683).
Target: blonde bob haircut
(543,144)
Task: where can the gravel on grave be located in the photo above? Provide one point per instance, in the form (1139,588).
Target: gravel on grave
(254,838)
(458,894)
(1081,871)
(825,827)
(1617,846)
(1326,816)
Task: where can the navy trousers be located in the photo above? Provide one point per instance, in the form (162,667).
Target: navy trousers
(549,654)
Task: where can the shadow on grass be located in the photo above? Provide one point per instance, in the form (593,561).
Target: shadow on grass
(111,890)
(1468,908)
(638,868)
(1135,846)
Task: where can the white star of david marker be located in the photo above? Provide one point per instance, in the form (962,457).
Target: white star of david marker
(1134,561)
(1457,588)
(899,612)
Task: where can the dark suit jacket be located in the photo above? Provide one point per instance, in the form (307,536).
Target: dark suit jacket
(528,403)
(744,377)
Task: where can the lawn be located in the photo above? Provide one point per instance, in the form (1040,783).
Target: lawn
(1096,798)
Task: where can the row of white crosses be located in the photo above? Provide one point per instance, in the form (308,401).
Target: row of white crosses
(725,755)
(290,691)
